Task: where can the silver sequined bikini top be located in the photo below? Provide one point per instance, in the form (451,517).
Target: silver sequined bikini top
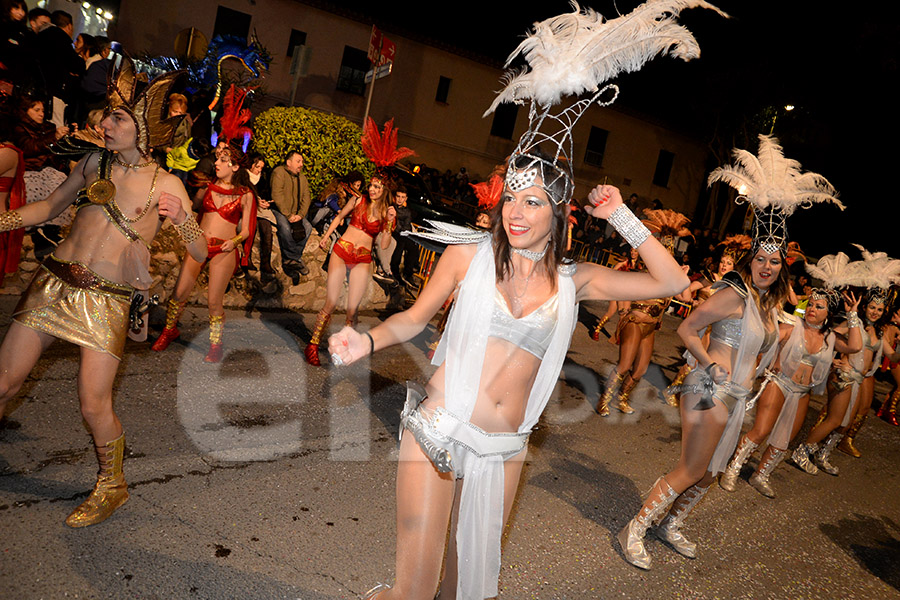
(728,332)
(532,332)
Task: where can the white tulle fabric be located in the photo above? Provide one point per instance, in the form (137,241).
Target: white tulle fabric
(744,371)
(462,348)
(791,354)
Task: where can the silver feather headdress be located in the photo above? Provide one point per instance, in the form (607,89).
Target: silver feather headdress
(774,187)
(574,53)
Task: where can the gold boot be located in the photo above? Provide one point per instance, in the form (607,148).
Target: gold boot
(311,353)
(628,385)
(612,388)
(671,395)
(110,492)
(846,444)
(822,416)
(595,334)
(216,327)
(888,410)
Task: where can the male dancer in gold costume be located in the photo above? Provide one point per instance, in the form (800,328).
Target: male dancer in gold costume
(83,291)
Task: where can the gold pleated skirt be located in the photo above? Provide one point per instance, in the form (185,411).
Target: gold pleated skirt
(69,301)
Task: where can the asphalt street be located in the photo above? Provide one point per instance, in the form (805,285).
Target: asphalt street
(262,477)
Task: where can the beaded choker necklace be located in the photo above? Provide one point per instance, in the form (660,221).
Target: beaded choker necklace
(531,254)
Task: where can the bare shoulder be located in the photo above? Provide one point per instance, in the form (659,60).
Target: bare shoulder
(586,271)
(170,183)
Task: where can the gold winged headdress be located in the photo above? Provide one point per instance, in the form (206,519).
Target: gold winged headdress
(145,103)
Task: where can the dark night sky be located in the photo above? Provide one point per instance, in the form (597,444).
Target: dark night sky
(834,65)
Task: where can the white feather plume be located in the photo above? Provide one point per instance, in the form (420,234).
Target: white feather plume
(832,270)
(876,270)
(576,52)
(771,180)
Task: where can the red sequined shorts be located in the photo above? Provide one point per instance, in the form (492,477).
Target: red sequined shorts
(352,254)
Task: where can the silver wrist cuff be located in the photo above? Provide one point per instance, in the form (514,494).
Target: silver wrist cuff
(629,226)
(853,320)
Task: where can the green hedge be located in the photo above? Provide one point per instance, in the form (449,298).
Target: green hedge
(330,144)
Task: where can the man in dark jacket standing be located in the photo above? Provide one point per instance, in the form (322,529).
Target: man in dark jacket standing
(406,250)
(60,65)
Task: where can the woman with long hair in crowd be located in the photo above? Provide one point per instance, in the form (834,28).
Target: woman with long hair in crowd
(12,196)
(370,214)
(464,436)
(226,202)
(742,319)
(888,409)
(851,384)
(730,252)
(638,322)
(806,351)
(351,256)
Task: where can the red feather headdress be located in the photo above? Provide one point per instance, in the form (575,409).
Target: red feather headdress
(381,148)
(488,192)
(234,116)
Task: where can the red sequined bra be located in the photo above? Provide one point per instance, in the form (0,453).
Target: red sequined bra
(360,219)
(233,211)
(230,211)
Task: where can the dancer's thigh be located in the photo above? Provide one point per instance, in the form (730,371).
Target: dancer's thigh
(20,351)
(424,502)
(701,431)
(767,410)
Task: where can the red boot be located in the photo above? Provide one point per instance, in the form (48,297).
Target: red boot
(216,350)
(170,333)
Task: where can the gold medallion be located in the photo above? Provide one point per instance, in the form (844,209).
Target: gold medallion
(101,191)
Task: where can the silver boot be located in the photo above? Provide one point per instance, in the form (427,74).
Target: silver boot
(631,538)
(824,453)
(728,479)
(760,479)
(801,455)
(669,530)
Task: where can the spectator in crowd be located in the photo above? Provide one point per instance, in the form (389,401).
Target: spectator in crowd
(483,220)
(406,251)
(92,88)
(38,20)
(12,39)
(33,135)
(265,220)
(61,67)
(291,200)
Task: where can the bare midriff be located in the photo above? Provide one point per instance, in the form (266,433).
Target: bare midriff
(507,376)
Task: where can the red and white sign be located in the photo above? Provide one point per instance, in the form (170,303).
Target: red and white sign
(381,49)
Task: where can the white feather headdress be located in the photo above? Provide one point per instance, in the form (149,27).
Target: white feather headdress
(877,272)
(775,187)
(574,53)
(833,270)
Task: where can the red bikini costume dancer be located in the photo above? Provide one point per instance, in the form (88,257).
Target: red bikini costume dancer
(12,196)
(351,255)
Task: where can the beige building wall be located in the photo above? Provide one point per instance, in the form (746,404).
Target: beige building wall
(445,135)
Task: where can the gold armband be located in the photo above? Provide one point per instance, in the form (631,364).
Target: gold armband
(10,221)
(237,240)
(189,230)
